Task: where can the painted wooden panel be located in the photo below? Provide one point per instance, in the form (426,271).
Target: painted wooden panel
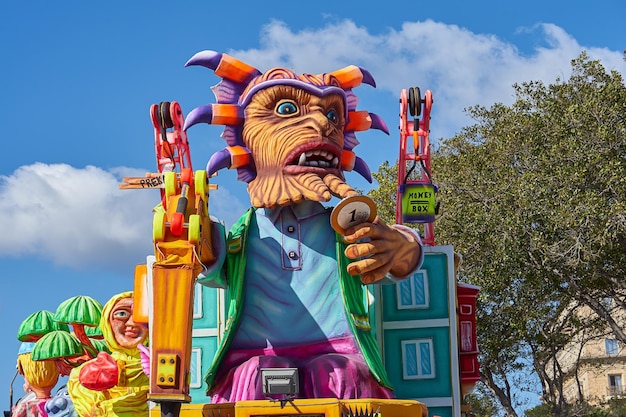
(206,320)
(407,384)
(436,290)
(203,350)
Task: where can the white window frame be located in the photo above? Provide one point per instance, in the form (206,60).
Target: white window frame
(195,378)
(197,302)
(410,283)
(418,373)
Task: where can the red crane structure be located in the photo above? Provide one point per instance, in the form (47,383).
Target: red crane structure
(415,199)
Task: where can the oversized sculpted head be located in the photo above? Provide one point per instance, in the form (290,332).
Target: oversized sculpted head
(289,136)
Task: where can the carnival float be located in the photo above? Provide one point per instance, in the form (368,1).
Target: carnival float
(306,306)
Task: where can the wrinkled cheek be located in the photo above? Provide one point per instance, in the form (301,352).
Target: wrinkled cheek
(269,156)
(268,147)
(118,331)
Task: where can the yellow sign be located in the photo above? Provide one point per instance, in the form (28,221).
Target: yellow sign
(418,203)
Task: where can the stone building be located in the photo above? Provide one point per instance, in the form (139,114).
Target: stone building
(594,361)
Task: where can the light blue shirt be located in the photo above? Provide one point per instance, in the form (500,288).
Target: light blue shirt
(292,294)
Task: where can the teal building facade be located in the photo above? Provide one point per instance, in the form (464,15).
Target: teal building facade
(415,323)
(417,329)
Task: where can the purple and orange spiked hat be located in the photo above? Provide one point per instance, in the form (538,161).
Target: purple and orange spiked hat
(241,81)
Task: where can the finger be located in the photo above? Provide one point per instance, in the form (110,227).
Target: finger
(366,265)
(380,221)
(367,230)
(143,348)
(361,250)
(358,232)
(375,275)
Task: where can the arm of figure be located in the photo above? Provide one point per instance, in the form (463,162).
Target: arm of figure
(380,251)
(127,400)
(100,374)
(213,275)
(144,352)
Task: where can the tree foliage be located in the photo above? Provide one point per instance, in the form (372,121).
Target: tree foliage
(533,196)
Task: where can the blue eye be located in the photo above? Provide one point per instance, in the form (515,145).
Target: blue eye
(121,314)
(286,108)
(332,116)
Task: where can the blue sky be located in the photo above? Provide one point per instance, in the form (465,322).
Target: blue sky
(77,80)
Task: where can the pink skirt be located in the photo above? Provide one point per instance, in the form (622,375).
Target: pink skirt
(331,369)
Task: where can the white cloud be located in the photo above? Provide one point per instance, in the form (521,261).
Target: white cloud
(74,216)
(460,67)
(78,217)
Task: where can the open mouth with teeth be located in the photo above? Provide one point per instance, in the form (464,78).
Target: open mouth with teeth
(313,159)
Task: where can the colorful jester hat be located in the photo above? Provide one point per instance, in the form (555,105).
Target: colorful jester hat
(241,81)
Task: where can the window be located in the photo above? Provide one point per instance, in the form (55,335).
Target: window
(412,293)
(195,368)
(418,360)
(611,346)
(467,344)
(197,302)
(615,384)
(607,302)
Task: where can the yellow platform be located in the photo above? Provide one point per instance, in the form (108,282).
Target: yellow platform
(318,407)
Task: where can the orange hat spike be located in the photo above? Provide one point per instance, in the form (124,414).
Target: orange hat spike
(239,156)
(352,76)
(227,114)
(348,77)
(358,121)
(235,70)
(348,159)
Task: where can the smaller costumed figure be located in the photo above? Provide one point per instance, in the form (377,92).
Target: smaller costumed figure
(40,377)
(113,384)
(61,404)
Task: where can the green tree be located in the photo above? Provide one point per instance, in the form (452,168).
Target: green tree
(532,196)
(482,403)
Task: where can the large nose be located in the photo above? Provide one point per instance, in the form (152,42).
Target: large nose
(321,122)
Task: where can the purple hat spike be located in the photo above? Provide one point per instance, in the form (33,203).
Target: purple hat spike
(378,123)
(367,77)
(219,160)
(202,114)
(361,167)
(208,59)
(238,77)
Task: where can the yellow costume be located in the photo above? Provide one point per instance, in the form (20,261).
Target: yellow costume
(127,398)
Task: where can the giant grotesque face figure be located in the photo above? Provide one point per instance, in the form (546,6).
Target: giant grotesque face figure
(287,133)
(296,139)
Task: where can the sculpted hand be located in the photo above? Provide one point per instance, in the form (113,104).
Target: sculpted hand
(99,374)
(378,249)
(145,358)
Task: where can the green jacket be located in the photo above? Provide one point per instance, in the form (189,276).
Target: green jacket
(351,289)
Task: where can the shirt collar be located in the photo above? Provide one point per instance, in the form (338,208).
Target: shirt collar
(301,211)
